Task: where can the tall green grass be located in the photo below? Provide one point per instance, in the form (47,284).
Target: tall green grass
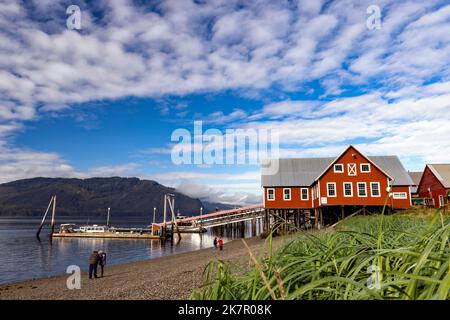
(411,255)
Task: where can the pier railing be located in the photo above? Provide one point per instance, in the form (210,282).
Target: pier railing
(224,216)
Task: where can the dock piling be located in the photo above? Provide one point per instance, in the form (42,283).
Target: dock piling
(43,219)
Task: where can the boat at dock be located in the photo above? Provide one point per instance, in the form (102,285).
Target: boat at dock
(70,230)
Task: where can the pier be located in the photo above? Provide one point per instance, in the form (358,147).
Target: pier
(164,230)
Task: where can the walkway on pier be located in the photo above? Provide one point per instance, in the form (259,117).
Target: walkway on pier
(224,217)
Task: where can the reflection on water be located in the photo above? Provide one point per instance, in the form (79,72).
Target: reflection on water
(23,257)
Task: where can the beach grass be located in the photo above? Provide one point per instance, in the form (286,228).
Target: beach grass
(400,256)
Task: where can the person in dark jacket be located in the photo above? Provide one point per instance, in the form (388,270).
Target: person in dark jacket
(93,263)
(215,243)
(102,261)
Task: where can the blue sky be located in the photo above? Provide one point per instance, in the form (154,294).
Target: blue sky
(105,99)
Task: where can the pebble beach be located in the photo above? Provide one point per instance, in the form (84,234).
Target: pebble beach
(171,277)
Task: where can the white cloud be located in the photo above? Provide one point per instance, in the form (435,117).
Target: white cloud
(191,47)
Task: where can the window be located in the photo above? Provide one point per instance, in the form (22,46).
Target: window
(271,194)
(287,194)
(365,167)
(339,168)
(304,193)
(348,189)
(362,189)
(400,195)
(375,189)
(351,168)
(441,200)
(331,189)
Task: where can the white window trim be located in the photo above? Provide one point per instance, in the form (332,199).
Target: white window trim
(379,190)
(284,195)
(351,189)
(301,194)
(272,189)
(338,164)
(348,169)
(441,201)
(365,188)
(361,170)
(400,195)
(335,190)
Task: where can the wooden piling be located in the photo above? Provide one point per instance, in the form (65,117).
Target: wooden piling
(53,218)
(43,219)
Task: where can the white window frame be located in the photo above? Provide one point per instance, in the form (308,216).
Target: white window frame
(338,164)
(400,195)
(301,194)
(361,166)
(273,190)
(328,190)
(365,188)
(379,189)
(441,201)
(351,189)
(350,167)
(284,195)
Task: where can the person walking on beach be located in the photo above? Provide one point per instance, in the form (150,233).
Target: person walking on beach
(93,263)
(220,242)
(215,243)
(102,261)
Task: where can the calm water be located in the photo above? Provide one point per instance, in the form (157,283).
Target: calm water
(22,257)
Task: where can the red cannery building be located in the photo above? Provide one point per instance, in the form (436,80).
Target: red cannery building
(330,188)
(435,184)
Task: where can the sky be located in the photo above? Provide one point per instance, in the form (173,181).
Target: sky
(105,99)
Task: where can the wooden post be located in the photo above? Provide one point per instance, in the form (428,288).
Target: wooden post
(342,212)
(43,219)
(53,217)
(171,200)
(321,217)
(107,219)
(316,218)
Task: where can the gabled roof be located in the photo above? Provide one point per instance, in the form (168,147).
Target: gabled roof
(295,172)
(393,167)
(442,173)
(343,153)
(415,176)
(304,171)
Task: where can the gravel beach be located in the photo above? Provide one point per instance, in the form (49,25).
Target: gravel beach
(170,277)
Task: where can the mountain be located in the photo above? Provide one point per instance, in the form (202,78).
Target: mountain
(91,197)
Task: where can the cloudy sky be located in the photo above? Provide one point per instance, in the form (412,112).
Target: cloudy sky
(104,100)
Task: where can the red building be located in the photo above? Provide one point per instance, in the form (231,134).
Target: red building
(321,185)
(434,184)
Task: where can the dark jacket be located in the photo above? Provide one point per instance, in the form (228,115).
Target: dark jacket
(102,258)
(94,258)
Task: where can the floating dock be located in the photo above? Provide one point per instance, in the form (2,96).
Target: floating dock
(107,235)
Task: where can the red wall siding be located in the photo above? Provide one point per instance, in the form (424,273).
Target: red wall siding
(429,180)
(294,203)
(401,203)
(375,175)
(351,156)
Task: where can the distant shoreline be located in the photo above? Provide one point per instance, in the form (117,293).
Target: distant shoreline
(168,277)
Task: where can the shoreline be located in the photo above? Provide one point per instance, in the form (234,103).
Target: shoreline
(170,277)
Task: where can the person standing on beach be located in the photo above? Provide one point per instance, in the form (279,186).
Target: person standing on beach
(215,243)
(102,261)
(93,262)
(220,244)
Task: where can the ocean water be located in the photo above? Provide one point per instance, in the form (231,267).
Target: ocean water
(23,257)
